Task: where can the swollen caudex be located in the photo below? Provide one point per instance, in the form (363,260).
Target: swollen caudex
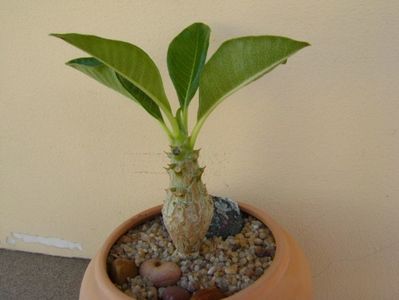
(188,208)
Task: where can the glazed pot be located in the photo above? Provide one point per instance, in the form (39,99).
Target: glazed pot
(287,278)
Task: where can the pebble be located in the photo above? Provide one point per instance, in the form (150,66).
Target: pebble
(175,293)
(229,264)
(231,270)
(227,218)
(211,271)
(193,285)
(243,261)
(160,273)
(258,241)
(208,294)
(152,293)
(122,269)
(263,251)
(258,271)
(249,272)
(262,235)
(126,239)
(140,287)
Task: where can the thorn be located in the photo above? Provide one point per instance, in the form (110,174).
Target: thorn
(168,154)
(196,154)
(180,194)
(172,166)
(200,172)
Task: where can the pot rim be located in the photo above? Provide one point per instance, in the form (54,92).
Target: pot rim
(267,281)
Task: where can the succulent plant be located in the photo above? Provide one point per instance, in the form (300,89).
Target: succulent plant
(124,67)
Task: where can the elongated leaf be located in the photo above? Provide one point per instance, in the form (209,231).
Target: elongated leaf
(104,74)
(126,59)
(238,62)
(186,59)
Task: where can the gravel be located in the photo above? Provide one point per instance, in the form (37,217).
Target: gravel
(231,264)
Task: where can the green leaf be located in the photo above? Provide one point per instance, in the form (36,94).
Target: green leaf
(186,59)
(238,62)
(105,75)
(128,60)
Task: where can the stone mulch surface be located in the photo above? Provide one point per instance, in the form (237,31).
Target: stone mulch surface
(231,264)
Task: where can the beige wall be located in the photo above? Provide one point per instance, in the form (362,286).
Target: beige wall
(315,142)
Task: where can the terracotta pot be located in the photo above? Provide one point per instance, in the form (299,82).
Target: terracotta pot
(287,278)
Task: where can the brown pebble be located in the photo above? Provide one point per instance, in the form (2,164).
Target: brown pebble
(121,269)
(208,294)
(118,251)
(231,270)
(239,236)
(125,239)
(235,247)
(262,252)
(175,293)
(258,242)
(243,261)
(262,235)
(249,272)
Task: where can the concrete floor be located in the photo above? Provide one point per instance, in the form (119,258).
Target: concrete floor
(27,276)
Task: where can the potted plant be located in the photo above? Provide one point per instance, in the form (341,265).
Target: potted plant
(188,209)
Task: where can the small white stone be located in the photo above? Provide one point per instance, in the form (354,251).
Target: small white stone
(212,270)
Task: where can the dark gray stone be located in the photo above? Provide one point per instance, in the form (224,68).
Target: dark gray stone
(227,218)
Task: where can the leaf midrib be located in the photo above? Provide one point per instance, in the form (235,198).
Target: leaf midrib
(192,72)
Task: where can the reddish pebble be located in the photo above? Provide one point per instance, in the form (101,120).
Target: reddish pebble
(160,273)
(175,293)
(208,294)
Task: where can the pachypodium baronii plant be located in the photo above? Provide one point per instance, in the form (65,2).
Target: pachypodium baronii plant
(188,208)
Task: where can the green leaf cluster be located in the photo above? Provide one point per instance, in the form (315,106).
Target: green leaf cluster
(130,71)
